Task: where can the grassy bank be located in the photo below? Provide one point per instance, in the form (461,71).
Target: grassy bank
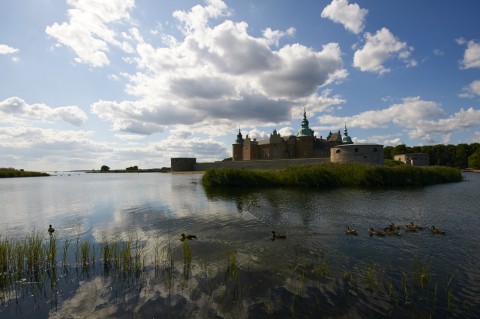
(12,172)
(332,175)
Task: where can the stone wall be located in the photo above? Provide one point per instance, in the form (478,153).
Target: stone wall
(182,164)
(357,153)
(266,164)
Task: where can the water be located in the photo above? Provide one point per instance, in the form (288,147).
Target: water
(236,271)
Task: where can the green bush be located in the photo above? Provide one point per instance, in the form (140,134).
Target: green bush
(12,172)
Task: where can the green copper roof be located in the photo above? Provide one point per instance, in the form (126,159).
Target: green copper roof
(346,139)
(305,130)
(239,138)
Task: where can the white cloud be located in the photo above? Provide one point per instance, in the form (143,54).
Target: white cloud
(423,120)
(471,57)
(89,32)
(218,76)
(5,49)
(16,107)
(471,90)
(378,49)
(350,15)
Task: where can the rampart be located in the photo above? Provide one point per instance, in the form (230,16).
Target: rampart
(263,164)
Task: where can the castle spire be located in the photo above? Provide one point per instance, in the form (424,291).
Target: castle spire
(346,139)
(239,139)
(305,130)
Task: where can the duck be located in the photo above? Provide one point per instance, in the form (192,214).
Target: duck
(189,237)
(410,228)
(375,232)
(350,231)
(275,236)
(437,230)
(392,227)
(392,232)
(51,230)
(417,226)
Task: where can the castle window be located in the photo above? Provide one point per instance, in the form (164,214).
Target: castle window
(356,149)
(337,151)
(375,149)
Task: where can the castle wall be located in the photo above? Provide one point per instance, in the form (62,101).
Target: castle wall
(414,159)
(261,164)
(304,147)
(182,164)
(237,152)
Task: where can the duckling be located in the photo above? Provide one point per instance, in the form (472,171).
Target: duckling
(437,231)
(51,230)
(392,227)
(417,226)
(189,237)
(350,231)
(375,232)
(410,228)
(394,232)
(275,236)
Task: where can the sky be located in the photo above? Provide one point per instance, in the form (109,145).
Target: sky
(86,83)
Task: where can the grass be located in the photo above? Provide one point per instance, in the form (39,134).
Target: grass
(12,172)
(332,175)
(34,259)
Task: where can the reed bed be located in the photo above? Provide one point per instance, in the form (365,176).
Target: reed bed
(227,283)
(332,175)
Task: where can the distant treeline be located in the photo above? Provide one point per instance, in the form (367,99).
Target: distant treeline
(12,172)
(460,156)
(332,175)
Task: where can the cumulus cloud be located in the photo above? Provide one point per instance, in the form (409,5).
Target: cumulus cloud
(219,73)
(350,15)
(471,57)
(5,49)
(379,48)
(422,119)
(16,107)
(89,30)
(471,90)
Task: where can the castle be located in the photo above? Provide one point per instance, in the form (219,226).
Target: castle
(284,151)
(304,145)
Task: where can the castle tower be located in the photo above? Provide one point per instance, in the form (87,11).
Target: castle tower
(305,138)
(346,139)
(237,148)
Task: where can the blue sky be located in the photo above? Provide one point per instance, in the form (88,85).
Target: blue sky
(85,83)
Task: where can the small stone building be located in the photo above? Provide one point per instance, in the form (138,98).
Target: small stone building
(413,159)
(357,153)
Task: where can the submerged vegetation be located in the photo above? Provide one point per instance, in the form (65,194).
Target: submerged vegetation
(332,175)
(12,172)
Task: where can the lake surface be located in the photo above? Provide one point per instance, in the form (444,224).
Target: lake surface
(233,269)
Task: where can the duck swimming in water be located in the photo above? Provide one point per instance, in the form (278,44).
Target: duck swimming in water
(416,226)
(51,230)
(275,236)
(189,237)
(350,231)
(410,228)
(375,232)
(437,231)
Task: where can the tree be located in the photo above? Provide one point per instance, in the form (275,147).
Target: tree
(387,152)
(474,160)
(132,168)
(105,168)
